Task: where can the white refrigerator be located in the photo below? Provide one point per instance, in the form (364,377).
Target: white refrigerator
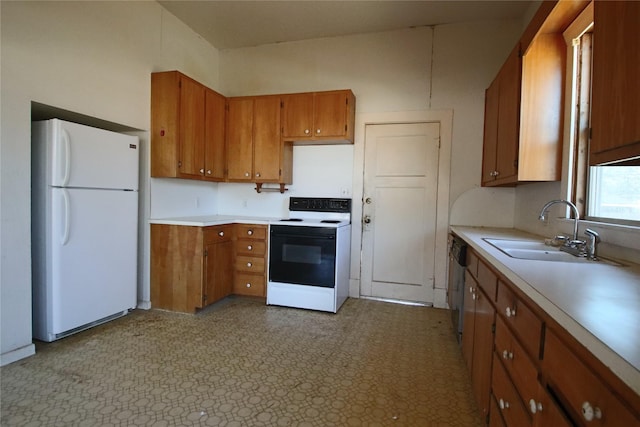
(84,204)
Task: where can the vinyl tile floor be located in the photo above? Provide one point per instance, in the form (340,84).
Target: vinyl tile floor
(242,363)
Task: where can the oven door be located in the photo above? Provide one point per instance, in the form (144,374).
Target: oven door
(302,255)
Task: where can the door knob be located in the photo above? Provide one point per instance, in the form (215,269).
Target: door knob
(367,219)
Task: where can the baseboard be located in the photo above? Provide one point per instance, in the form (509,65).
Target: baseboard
(17,354)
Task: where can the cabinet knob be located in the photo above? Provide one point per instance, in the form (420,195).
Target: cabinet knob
(247,174)
(221,234)
(307,131)
(590,413)
(248,285)
(208,171)
(507,354)
(249,247)
(503,404)
(510,312)
(258,174)
(202,171)
(250,232)
(535,406)
(249,264)
(318,131)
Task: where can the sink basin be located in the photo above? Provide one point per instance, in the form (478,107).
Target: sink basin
(537,250)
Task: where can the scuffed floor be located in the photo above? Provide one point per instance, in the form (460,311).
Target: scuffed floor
(241,363)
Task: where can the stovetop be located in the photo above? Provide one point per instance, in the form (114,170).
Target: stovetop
(318,212)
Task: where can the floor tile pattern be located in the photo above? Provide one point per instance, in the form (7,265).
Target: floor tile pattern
(241,363)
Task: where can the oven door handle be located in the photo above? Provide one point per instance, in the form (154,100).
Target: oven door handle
(304,236)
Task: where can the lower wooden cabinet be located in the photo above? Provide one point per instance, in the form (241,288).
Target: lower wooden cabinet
(190,266)
(539,375)
(477,334)
(250,260)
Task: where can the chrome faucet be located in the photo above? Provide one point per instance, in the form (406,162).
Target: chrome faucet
(576,215)
(592,244)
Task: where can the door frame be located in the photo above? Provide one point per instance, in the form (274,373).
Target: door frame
(445,119)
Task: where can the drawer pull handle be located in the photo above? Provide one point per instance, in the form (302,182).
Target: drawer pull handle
(248,285)
(221,234)
(507,355)
(510,312)
(250,232)
(504,404)
(590,413)
(535,406)
(249,264)
(249,247)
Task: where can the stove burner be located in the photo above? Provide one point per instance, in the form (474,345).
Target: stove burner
(291,220)
(330,221)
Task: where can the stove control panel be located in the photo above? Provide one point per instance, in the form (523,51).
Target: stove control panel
(319,204)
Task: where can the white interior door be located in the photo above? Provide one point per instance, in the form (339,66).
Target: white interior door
(399,211)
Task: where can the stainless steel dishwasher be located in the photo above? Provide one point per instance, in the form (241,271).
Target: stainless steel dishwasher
(455,292)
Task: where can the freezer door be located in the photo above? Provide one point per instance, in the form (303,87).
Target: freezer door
(87,157)
(92,270)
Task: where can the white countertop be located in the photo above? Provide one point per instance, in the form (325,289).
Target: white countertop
(599,304)
(207,220)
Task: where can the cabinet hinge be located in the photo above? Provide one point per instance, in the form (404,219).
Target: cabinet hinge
(280,172)
(515,164)
(179,164)
(346,101)
(590,134)
(281,104)
(493,328)
(206,252)
(520,52)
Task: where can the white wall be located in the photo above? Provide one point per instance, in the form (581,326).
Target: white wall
(93,58)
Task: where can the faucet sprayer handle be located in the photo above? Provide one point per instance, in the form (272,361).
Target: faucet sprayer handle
(594,234)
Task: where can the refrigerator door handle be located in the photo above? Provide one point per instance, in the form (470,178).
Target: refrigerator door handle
(67,157)
(67,217)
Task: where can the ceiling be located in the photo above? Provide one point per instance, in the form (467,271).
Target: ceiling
(243,23)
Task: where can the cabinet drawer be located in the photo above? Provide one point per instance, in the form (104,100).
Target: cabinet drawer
(495,419)
(514,358)
(472,262)
(525,324)
(249,264)
(252,231)
(251,247)
(510,405)
(217,233)
(249,284)
(585,397)
(487,280)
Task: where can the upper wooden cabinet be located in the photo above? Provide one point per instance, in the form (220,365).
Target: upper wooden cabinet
(615,110)
(255,150)
(319,116)
(524,105)
(187,128)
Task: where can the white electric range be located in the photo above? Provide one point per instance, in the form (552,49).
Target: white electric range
(309,255)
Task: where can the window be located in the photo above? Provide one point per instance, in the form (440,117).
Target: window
(608,193)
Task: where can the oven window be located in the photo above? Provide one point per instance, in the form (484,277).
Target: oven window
(302,254)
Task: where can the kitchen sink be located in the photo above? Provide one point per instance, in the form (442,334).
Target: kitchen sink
(537,250)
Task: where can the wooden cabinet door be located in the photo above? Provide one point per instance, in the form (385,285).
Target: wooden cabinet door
(330,114)
(214,135)
(546,412)
(616,86)
(191,128)
(483,351)
(267,142)
(510,77)
(468,319)
(490,144)
(240,139)
(219,271)
(297,115)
